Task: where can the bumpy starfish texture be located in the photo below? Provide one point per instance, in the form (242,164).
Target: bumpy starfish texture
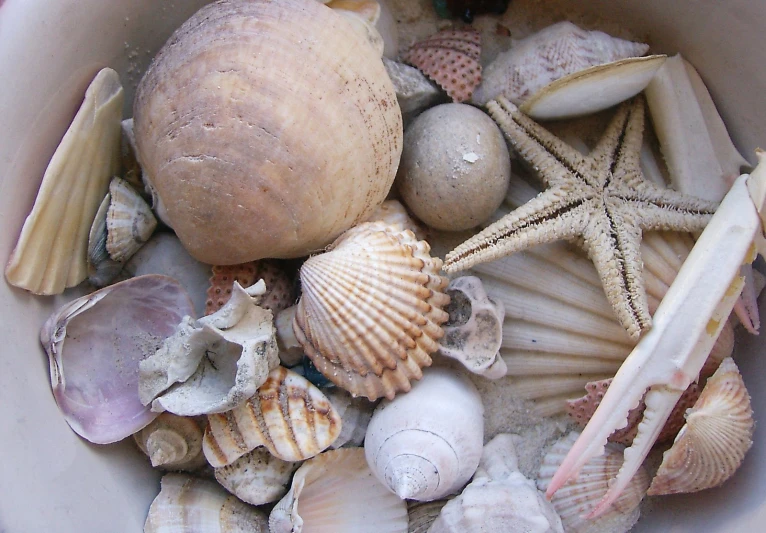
(601,201)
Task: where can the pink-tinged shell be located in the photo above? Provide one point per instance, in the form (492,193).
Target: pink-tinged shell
(95,344)
(717,435)
(279,286)
(451,59)
(371,310)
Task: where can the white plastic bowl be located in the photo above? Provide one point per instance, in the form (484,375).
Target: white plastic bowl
(50,479)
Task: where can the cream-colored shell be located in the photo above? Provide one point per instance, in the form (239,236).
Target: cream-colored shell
(257,477)
(371,309)
(172,442)
(427,443)
(713,443)
(335,492)
(51,253)
(187,504)
(274,113)
(288,415)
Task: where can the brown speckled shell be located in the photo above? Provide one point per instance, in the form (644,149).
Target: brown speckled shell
(279,287)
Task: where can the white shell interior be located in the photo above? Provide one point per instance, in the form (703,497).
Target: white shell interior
(50,479)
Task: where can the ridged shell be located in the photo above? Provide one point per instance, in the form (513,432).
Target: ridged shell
(393,213)
(280,293)
(257,477)
(548,55)
(129,221)
(172,442)
(288,415)
(371,310)
(451,59)
(51,253)
(335,492)
(288,119)
(187,504)
(717,435)
(427,443)
(422,514)
(579,496)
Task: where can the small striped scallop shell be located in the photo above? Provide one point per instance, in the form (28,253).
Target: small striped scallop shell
(371,309)
(717,435)
(579,496)
(257,477)
(335,492)
(288,415)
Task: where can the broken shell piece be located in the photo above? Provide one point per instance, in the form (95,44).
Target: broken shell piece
(474,332)
(279,293)
(257,477)
(355,414)
(422,514)
(172,442)
(581,494)
(543,57)
(51,253)
(499,498)
(190,504)
(717,435)
(427,443)
(414,91)
(371,309)
(288,415)
(102,269)
(335,492)
(130,165)
(213,364)
(95,344)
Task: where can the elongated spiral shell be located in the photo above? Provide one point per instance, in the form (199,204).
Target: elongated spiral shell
(371,310)
(717,435)
(288,415)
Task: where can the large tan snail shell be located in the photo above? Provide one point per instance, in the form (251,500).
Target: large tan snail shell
(717,435)
(277,114)
(371,309)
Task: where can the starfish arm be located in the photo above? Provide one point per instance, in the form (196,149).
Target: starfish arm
(638,189)
(550,216)
(554,160)
(619,149)
(661,216)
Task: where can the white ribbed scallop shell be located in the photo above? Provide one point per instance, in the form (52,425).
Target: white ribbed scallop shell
(371,309)
(335,492)
(579,496)
(713,443)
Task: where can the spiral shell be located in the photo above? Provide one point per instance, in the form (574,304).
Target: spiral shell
(277,113)
(172,442)
(713,443)
(371,308)
(288,415)
(257,477)
(427,443)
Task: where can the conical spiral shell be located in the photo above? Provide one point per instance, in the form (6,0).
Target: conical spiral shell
(371,310)
(172,442)
(713,443)
(288,415)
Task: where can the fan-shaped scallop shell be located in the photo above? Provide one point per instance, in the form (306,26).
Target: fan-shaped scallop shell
(173,442)
(451,59)
(257,477)
(279,286)
(371,310)
(129,221)
(579,496)
(288,415)
(335,492)
(187,504)
(717,435)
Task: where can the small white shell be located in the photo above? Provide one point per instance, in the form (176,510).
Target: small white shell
(187,504)
(355,414)
(427,443)
(172,442)
(257,477)
(335,492)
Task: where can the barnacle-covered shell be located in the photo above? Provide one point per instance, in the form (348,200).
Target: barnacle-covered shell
(257,477)
(335,492)
(172,442)
(288,415)
(371,309)
(427,443)
(451,59)
(277,113)
(187,504)
(279,287)
(717,435)
(51,253)
(575,499)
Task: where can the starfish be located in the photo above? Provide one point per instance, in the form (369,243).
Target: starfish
(601,201)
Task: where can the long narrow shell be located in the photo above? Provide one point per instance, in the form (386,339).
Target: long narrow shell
(335,492)
(257,477)
(371,310)
(172,442)
(579,496)
(187,504)
(50,254)
(717,435)
(288,415)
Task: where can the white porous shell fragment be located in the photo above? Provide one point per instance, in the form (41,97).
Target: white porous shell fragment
(427,443)
(257,477)
(51,253)
(335,492)
(213,364)
(173,442)
(355,414)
